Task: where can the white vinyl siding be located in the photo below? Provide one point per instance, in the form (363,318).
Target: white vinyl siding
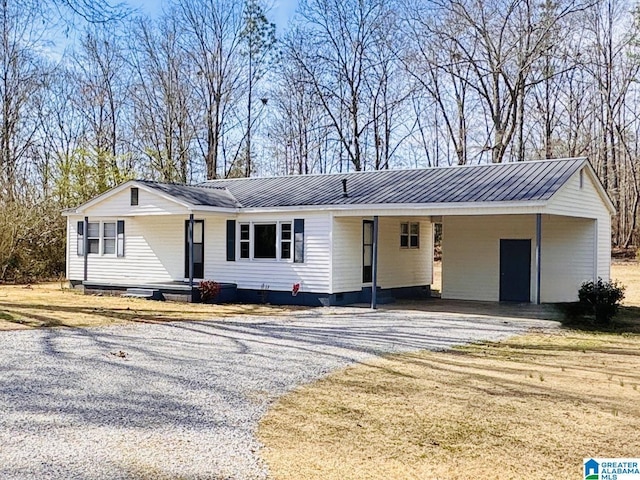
(397,266)
(280,275)
(567,256)
(154,249)
(471,255)
(573,201)
(347,254)
(149,203)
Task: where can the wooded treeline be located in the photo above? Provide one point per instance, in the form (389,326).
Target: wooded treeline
(93,94)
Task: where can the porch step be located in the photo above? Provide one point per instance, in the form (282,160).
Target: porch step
(146,293)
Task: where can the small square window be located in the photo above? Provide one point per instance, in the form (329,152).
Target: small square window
(410,235)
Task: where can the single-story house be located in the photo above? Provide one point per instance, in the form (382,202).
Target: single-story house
(521,232)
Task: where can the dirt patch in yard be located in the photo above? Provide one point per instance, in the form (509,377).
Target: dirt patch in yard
(49,305)
(490,410)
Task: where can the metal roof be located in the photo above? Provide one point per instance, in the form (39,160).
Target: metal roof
(210,196)
(504,182)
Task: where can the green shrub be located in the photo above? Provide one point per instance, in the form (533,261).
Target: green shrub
(209,290)
(601,299)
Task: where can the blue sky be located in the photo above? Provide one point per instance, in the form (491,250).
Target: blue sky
(281,12)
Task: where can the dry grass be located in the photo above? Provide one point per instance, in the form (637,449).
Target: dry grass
(628,273)
(48,305)
(486,411)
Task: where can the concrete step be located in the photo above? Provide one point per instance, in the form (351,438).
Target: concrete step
(146,293)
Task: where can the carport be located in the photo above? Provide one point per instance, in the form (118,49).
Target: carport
(527,238)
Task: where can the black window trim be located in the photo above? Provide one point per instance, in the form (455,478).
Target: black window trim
(119,238)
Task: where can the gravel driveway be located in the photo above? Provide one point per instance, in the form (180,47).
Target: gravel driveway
(183,400)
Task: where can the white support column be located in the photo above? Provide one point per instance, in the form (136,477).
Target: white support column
(190,240)
(538,255)
(374,265)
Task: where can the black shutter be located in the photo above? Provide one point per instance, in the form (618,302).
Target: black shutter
(120,239)
(298,240)
(80,244)
(231,240)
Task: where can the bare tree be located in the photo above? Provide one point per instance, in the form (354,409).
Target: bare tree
(102,80)
(21,77)
(212,38)
(337,59)
(163,100)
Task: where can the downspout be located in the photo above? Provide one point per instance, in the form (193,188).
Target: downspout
(538,255)
(190,240)
(85,241)
(374,266)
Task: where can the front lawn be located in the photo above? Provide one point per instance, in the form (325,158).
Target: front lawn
(531,406)
(489,411)
(50,305)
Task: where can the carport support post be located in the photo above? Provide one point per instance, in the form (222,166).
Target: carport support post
(538,254)
(85,248)
(374,265)
(190,240)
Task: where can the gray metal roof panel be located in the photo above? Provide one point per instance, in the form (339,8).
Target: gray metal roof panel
(523,181)
(195,195)
(519,181)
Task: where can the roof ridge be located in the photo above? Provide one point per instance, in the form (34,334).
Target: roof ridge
(209,183)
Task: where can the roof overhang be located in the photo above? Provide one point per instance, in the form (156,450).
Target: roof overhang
(114,191)
(462,208)
(189,207)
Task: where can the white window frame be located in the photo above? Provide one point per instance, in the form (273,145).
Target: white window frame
(409,235)
(285,241)
(118,238)
(114,238)
(89,238)
(251,241)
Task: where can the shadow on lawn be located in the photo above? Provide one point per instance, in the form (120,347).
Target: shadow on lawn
(16,314)
(273,354)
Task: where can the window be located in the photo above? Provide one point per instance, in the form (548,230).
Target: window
(109,238)
(285,241)
(80,238)
(264,240)
(93,237)
(134,196)
(410,235)
(121,238)
(244,240)
(108,234)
